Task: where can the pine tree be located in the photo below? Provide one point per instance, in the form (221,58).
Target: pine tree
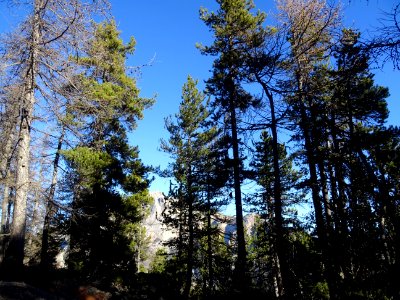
(264,203)
(264,65)
(309,25)
(108,180)
(189,145)
(358,111)
(234,27)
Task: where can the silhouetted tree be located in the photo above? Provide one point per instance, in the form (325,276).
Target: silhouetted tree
(233,26)
(108,182)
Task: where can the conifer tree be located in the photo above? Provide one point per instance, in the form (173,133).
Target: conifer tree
(358,111)
(264,203)
(233,26)
(264,66)
(189,145)
(309,26)
(108,180)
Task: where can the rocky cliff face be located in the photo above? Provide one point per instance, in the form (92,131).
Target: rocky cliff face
(155,229)
(159,233)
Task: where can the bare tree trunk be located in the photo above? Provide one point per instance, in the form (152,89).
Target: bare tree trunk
(6,174)
(278,281)
(45,259)
(15,251)
(190,254)
(17,239)
(6,157)
(4,232)
(4,206)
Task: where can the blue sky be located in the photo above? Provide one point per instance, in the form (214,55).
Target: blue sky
(168,31)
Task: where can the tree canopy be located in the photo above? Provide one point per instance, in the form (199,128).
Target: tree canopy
(291,129)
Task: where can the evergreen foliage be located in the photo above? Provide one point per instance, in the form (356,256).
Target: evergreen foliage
(234,28)
(108,180)
(191,144)
(292,109)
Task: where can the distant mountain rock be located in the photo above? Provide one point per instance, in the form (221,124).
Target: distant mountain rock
(155,229)
(158,233)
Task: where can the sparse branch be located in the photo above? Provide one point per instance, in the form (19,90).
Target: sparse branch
(386,45)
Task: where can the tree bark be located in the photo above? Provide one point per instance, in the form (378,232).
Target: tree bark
(282,267)
(322,233)
(189,266)
(15,251)
(209,249)
(5,173)
(45,259)
(5,170)
(240,269)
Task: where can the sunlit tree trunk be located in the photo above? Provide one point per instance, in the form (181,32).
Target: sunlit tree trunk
(15,251)
(45,259)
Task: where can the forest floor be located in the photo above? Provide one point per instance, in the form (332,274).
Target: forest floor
(31,284)
(24,291)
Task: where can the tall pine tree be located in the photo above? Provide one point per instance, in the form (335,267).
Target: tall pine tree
(107,179)
(233,26)
(191,140)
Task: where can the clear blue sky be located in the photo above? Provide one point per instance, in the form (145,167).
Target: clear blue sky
(169,30)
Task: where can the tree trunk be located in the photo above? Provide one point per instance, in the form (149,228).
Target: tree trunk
(209,250)
(139,249)
(15,251)
(4,230)
(45,259)
(282,268)
(30,250)
(240,269)
(322,233)
(277,277)
(338,186)
(5,164)
(4,206)
(325,194)
(189,266)
(5,174)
